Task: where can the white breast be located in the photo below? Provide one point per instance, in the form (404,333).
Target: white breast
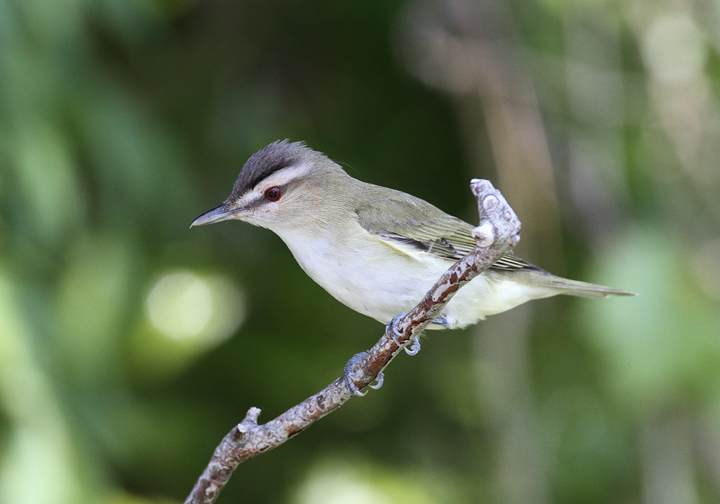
(370,278)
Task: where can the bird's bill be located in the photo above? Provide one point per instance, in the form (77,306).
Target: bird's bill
(217,214)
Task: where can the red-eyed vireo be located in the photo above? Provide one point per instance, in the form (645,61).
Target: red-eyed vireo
(376,250)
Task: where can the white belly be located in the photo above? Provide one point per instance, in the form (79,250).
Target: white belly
(395,283)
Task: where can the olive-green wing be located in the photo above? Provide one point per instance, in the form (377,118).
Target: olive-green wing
(414,226)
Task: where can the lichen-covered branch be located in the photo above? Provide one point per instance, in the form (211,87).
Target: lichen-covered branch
(497,233)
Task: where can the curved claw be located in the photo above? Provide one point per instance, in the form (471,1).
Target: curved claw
(393,325)
(352,388)
(414,348)
(349,383)
(378,382)
(443,321)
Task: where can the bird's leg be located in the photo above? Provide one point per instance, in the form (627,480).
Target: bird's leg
(390,327)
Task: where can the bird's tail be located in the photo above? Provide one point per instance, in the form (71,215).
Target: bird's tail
(576,288)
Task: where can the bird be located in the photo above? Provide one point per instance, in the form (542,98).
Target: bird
(376,250)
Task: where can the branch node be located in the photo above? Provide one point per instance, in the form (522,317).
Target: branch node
(484,234)
(251,418)
(490,202)
(480,185)
(498,223)
(239,432)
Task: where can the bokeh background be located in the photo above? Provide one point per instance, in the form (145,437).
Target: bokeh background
(130,344)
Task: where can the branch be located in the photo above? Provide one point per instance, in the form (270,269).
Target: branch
(498,233)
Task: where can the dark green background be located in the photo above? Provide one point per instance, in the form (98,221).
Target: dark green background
(121,121)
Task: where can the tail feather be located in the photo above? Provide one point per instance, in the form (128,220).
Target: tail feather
(583,289)
(517,268)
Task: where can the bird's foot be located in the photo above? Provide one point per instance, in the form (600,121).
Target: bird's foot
(378,381)
(347,375)
(350,383)
(414,347)
(443,321)
(392,325)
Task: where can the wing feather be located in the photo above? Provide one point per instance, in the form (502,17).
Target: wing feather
(415,226)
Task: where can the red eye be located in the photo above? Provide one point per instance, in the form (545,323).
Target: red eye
(273,194)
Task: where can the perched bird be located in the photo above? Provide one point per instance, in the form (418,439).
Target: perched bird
(375,249)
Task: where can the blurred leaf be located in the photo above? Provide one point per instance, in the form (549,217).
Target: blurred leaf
(664,344)
(47,182)
(36,444)
(93,300)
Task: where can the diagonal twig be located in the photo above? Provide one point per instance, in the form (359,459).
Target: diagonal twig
(496,235)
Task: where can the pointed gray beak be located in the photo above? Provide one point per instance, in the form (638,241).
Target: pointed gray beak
(218,214)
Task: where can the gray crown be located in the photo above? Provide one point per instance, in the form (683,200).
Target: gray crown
(268,160)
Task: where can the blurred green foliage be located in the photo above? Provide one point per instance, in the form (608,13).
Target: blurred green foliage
(129,344)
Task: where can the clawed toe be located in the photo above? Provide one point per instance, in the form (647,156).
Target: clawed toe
(393,325)
(378,382)
(349,382)
(352,388)
(443,321)
(414,348)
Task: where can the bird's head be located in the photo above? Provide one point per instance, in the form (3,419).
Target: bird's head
(282,186)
